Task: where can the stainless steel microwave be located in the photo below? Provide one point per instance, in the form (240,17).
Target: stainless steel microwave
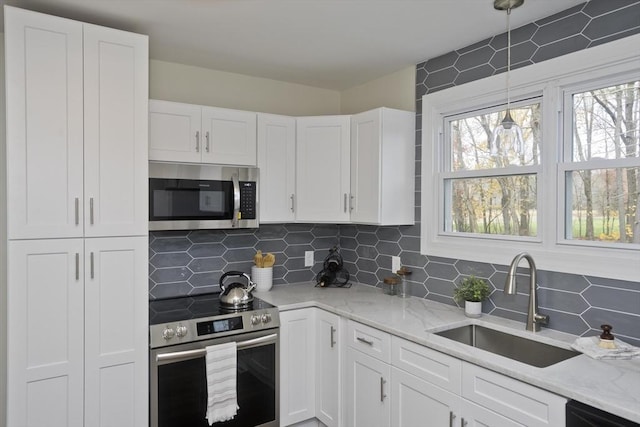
(191,197)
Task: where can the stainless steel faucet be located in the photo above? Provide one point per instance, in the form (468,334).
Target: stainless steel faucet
(534,319)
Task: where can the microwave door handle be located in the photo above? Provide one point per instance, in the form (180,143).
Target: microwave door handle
(236,199)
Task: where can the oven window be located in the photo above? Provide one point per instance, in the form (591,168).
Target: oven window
(182,391)
(184,199)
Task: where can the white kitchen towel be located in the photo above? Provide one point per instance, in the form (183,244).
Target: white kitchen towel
(222,401)
(590,347)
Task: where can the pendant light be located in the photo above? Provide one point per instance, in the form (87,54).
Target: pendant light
(508,131)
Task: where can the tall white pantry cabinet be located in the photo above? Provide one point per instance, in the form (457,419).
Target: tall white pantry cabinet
(77,125)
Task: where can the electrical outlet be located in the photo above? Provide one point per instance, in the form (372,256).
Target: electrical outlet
(308,258)
(395,263)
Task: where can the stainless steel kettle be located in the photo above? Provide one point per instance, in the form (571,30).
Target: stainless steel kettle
(236,294)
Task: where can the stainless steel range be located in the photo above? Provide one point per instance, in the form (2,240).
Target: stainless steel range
(181,329)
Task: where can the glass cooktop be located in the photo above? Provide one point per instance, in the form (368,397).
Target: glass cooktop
(194,307)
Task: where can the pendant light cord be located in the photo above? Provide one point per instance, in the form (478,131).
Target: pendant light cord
(508,59)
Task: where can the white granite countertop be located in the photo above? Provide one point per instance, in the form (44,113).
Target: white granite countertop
(612,385)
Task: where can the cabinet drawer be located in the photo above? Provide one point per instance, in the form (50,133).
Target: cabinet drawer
(518,401)
(430,365)
(370,341)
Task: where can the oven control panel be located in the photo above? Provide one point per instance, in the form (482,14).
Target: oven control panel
(171,333)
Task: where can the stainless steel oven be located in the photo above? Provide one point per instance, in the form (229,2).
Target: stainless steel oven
(179,337)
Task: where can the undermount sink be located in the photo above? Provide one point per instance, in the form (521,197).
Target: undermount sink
(521,349)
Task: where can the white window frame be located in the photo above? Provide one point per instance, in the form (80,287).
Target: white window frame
(550,250)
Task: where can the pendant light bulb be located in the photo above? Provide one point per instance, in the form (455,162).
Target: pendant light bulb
(508,133)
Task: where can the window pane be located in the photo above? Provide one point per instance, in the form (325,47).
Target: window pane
(604,205)
(470,140)
(505,205)
(607,123)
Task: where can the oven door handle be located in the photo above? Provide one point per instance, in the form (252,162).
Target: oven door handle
(199,352)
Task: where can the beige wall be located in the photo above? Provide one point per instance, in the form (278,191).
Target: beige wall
(182,83)
(396,90)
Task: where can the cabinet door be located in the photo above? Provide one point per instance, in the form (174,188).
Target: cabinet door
(297,366)
(366,167)
(415,400)
(45,319)
(368,391)
(116,325)
(277,163)
(329,368)
(116,151)
(382,167)
(322,169)
(44,125)
(229,136)
(174,132)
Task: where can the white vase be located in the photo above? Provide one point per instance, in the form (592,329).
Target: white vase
(262,277)
(473,308)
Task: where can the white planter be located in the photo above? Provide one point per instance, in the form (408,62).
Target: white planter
(473,309)
(262,277)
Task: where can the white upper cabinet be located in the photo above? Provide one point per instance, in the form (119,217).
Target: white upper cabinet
(198,134)
(277,163)
(229,136)
(44,69)
(76,128)
(174,132)
(116,80)
(383,167)
(322,169)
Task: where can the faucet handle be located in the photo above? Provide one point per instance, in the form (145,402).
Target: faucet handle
(541,319)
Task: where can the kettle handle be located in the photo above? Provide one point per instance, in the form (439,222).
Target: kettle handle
(233,274)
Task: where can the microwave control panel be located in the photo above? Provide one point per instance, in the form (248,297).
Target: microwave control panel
(248,195)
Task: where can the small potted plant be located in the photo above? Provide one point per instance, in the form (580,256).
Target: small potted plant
(472,290)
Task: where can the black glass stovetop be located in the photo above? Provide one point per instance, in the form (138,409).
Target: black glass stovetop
(194,307)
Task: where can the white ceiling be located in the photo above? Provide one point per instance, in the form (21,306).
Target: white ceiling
(333,44)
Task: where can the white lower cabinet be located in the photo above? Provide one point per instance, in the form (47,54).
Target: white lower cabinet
(297,366)
(460,393)
(328,368)
(368,393)
(77,332)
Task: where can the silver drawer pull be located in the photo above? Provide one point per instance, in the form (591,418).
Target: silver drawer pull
(364,340)
(92,265)
(382,395)
(292,203)
(333,341)
(197,141)
(206,135)
(451,418)
(91,211)
(77,266)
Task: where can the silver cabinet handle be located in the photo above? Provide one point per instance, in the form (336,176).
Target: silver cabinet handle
(463,423)
(364,340)
(197,141)
(382,395)
(345,202)
(91,262)
(351,197)
(206,136)
(451,418)
(333,341)
(91,211)
(77,265)
(292,202)
(77,211)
